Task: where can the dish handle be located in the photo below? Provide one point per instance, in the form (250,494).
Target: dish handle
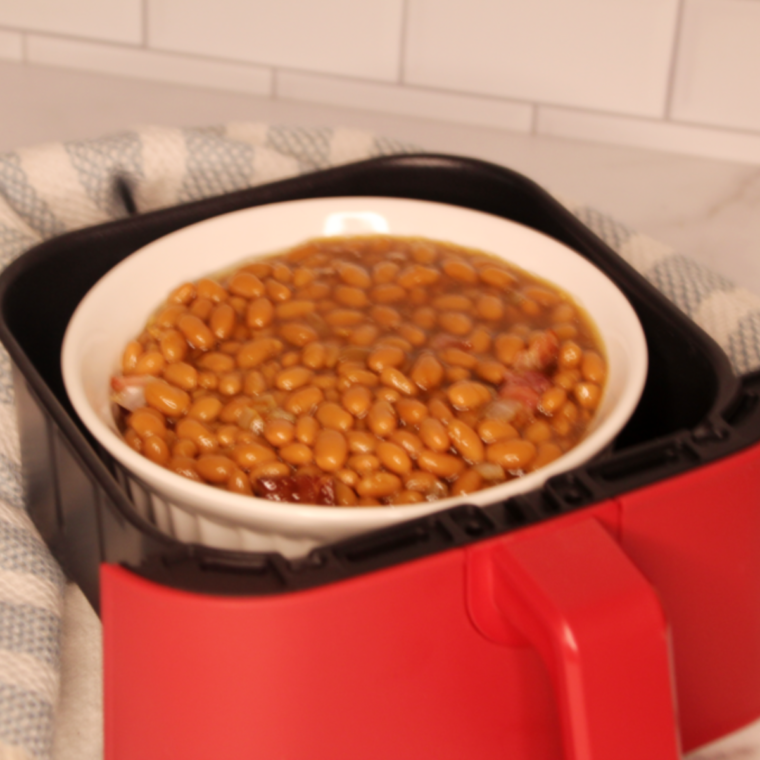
(571,593)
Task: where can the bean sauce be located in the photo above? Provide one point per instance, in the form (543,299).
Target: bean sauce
(361,371)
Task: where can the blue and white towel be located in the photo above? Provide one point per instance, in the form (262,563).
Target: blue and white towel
(54,188)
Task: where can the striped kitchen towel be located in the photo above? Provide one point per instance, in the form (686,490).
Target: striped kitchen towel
(54,188)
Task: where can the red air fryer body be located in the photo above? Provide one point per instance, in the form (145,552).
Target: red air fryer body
(611,615)
(558,635)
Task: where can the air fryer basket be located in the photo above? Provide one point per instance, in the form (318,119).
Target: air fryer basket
(693,410)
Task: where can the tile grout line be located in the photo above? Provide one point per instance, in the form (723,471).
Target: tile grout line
(402,42)
(671,80)
(145,10)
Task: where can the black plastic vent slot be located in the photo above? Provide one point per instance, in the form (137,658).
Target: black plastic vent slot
(647,459)
(406,539)
(471,520)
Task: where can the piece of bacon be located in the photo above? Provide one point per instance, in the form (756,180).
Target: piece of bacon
(541,353)
(299,489)
(526,387)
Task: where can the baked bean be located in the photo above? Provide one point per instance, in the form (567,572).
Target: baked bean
(385,316)
(384,272)
(150,363)
(408,441)
(489,308)
(249,455)
(222,321)
(147,422)
(496,276)
(401,370)
(304,400)
(294,309)
(379,484)
(228,435)
(334,417)
(297,453)
(381,419)
(206,409)
(587,395)
(292,378)
(411,411)
(460,270)
(201,308)
(507,346)
(387,293)
(412,334)
(256,352)
(168,316)
(279,432)
(173,346)
(130,355)
(196,332)
(354,275)
(547,452)
(593,367)
(514,454)
(355,373)
(467,394)
(434,435)
(306,429)
(330,450)
(427,372)
(407,497)
(277,291)
(345,496)
(466,441)
(361,442)
(468,482)
(238,482)
(385,356)
(491,371)
(208,288)
(552,400)
(184,447)
(204,439)
(393,457)
(357,400)
(425,317)
(491,430)
(167,399)
(183,375)
(395,378)
(440,410)
(443,465)
(314,355)
(183,294)
(246,285)
(230,383)
(216,361)
(215,468)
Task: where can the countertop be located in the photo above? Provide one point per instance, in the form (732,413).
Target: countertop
(706,209)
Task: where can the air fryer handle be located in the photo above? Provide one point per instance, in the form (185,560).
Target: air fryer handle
(575,596)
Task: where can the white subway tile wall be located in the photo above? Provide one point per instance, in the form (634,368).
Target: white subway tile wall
(608,55)
(676,75)
(112,20)
(148,64)
(359,38)
(718,72)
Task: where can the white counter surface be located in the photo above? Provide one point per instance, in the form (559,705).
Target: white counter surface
(706,209)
